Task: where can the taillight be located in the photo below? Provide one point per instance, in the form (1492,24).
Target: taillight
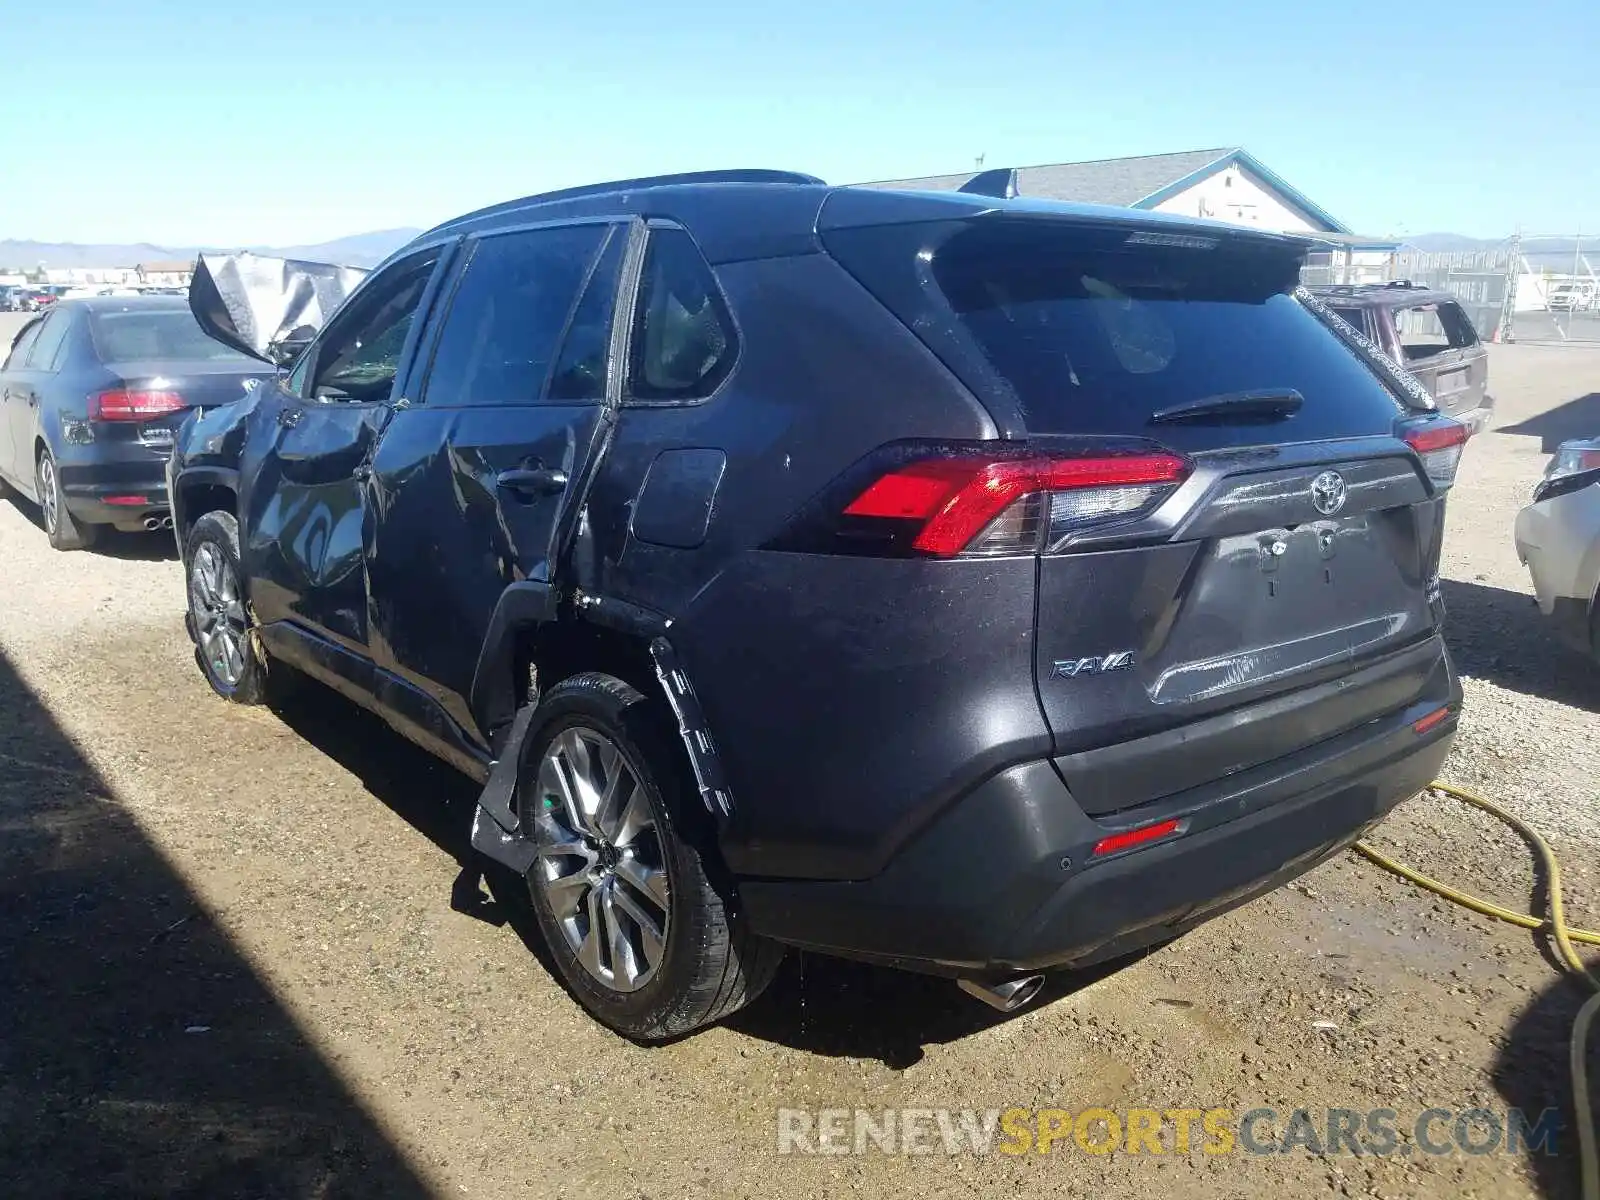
(1438,444)
(132,404)
(981,506)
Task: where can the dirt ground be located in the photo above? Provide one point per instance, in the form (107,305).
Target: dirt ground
(235,960)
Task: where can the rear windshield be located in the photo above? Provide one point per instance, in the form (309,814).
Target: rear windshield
(164,333)
(1428,329)
(1094,334)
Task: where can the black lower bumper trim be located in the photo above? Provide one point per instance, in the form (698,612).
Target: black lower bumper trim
(1006,880)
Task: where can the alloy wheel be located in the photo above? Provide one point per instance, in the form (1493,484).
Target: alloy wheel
(600,865)
(219,617)
(49,500)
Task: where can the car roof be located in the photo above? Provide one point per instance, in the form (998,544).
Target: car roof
(743,214)
(101,304)
(1399,294)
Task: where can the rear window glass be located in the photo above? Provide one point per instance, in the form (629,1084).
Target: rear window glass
(1095,335)
(1429,329)
(168,333)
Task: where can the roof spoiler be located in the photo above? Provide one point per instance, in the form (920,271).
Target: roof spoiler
(1000,182)
(268,308)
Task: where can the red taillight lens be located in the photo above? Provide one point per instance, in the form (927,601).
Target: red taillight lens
(1136,837)
(1436,717)
(986,507)
(130,404)
(1439,444)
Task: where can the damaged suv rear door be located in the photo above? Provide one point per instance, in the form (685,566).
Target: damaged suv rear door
(474,483)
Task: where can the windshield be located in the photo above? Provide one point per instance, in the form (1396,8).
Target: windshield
(134,336)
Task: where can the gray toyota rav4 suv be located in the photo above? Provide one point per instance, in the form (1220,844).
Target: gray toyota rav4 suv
(967,584)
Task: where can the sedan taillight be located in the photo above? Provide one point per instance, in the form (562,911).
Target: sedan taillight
(133,404)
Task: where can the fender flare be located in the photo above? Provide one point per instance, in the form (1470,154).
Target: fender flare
(526,604)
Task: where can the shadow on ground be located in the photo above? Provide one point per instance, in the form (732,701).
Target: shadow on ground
(1579,418)
(817,1004)
(1501,636)
(144,547)
(140,1056)
(1531,1073)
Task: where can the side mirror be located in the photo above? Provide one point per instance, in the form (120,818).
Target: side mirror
(284,351)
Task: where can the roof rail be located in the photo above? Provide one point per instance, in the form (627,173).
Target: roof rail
(998,181)
(740,175)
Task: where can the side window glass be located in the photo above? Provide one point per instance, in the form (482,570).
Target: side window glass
(683,344)
(1355,317)
(47,346)
(582,371)
(359,355)
(510,310)
(24,343)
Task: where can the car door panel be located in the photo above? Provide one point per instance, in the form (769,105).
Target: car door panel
(473,487)
(18,403)
(306,517)
(307,513)
(449,537)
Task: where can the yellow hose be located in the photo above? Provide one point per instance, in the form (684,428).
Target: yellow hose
(1589,1162)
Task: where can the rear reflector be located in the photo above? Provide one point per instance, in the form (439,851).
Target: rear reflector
(1438,444)
(978,506)
(1432,719)
(121,404)
(1136,837)
(130,501)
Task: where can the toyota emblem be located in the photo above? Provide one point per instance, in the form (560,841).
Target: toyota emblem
(1327,492)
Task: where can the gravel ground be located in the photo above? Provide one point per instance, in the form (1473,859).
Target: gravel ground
(235,965)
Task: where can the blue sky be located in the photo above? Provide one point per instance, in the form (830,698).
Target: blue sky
(179,122)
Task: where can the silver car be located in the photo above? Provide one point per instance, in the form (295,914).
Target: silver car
(1558,538)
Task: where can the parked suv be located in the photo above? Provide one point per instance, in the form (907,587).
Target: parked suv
(970,585)
(1430,333)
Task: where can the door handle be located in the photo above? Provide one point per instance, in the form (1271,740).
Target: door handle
(533,481)
(288,417)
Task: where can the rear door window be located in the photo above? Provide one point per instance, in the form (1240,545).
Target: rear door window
(1429,329)
(516,300)
(47,348)
(18,357)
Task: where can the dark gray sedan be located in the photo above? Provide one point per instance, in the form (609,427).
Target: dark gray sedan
(90,395)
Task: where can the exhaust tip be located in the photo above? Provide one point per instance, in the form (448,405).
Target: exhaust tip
(1004,997)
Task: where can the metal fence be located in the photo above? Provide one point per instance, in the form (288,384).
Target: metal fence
(1527,288)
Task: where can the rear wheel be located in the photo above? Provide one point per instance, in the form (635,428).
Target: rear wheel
(623,883)
(219,619)
(64,533)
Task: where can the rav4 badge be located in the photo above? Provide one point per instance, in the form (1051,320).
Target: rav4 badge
(1071,668)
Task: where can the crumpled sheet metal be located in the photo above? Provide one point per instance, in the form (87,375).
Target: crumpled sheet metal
(256,303)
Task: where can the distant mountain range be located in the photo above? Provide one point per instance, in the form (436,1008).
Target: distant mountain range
(358,250)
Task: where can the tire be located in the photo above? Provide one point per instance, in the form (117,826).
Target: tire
(219,621)
(600,730)
(64,533)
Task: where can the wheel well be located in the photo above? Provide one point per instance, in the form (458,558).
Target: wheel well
(197,499)
(566,648)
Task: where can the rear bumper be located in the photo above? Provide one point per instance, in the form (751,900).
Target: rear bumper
(137,481)
(1006,880)
(1477,419)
